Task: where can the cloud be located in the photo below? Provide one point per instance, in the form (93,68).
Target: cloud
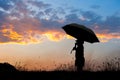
(5,4)
(105,37)
(72,18)
(106,29)
(112,23)
(91,17)
(20,26)
(30,21)
(3,16)
(39,4)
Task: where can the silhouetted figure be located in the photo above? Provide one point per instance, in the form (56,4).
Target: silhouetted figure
(79,55)
(81,33)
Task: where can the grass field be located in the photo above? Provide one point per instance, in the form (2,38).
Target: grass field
(111,71)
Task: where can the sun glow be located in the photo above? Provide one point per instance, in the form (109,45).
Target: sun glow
(105,37)
(54,35)
(10,35)
(9,32)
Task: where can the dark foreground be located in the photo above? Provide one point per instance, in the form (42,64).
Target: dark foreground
(60,75)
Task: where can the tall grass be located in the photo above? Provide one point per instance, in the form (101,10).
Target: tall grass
(20,66)
(90,65)
(112,64)
(65,67)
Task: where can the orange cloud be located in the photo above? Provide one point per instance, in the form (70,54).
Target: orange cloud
(54,35)
(28,36)
(9,32)
(105,37)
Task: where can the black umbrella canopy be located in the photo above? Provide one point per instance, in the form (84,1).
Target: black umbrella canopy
(80,32)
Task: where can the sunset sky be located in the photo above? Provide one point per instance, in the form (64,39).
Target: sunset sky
(31,33)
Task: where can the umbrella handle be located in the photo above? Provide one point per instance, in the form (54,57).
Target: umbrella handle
(71,51)
(74,48)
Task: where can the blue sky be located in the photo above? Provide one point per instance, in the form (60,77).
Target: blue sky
(31,29)
(102,7)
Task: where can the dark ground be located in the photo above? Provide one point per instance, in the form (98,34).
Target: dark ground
(9,72)
(60,75)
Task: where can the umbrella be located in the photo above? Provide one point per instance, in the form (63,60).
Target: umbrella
(80,32)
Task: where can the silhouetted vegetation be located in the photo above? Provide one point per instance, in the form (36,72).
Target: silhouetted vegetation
(21,67)
(63,72)
(6,67)
(112,64)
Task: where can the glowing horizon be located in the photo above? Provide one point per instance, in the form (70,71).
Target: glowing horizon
(31,36)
